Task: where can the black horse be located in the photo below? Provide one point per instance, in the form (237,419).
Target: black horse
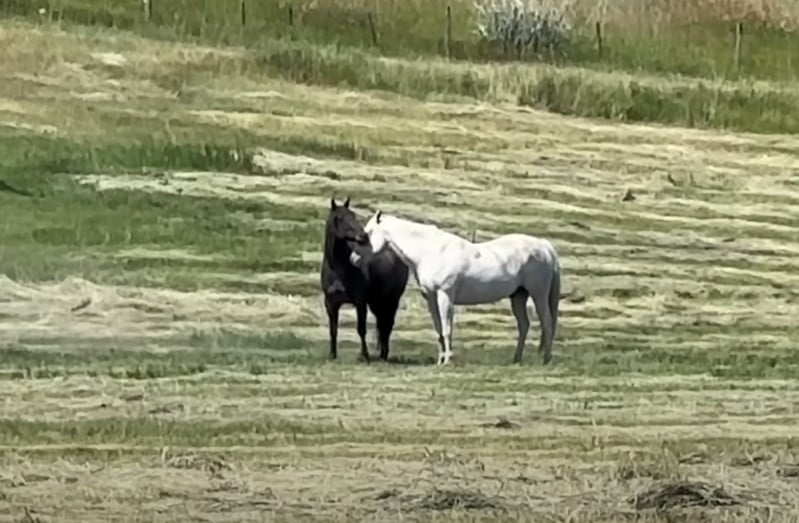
(351,273)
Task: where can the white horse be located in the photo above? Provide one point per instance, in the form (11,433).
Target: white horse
(454,271)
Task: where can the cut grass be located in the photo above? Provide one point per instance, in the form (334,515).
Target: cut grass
(200,227)
(163,334)
(388,434)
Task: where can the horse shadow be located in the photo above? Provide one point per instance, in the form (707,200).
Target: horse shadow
(410,361)
(6,187)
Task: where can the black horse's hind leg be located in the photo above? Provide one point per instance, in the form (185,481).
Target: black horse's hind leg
(385,324)
(332,319)
(360,309)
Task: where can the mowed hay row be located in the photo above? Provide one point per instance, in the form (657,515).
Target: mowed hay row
(708,234)
(164,338)
(670,268)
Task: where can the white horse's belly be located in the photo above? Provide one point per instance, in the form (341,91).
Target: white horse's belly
(474,291)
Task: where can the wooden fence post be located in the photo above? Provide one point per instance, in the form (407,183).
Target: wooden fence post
(243,13)
(599,38)
(448,39)
(372,28)
(739,29)
(291,22)
(148,9)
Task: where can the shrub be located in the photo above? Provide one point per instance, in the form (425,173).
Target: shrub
(523,25)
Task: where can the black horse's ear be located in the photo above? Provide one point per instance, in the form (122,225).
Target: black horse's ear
(332,204)
(379,215)
(347,203)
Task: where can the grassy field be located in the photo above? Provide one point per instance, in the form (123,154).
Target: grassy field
(163,337)
(671,66)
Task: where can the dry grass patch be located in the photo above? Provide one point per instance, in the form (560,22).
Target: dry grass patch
(674,494)
(562,460)
(660,14)
(678,318)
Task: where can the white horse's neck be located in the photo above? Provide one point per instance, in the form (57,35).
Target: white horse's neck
(407,239)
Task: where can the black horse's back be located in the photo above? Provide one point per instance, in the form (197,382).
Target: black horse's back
(388,275)
(351,273)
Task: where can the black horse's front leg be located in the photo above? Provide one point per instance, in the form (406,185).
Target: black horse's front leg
(332,319)
(360,309)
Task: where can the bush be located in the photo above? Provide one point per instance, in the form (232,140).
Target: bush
(523,25)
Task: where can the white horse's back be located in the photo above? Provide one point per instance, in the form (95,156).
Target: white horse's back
(501,266)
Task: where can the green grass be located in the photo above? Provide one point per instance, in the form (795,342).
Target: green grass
(256,353)
(418,29)
(53,214)
(718,97)
(164,342)
(711,102)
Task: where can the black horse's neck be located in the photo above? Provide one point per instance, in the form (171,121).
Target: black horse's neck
(337,255)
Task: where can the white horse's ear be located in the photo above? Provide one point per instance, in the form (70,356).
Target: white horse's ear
(378,216)
(347,203)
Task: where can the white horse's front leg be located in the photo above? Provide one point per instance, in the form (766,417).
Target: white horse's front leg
(432,306)
(446,311)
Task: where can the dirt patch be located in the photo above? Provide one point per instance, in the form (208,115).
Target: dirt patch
(789,471)
(749,460)
(501,423)
(462,499)
(630,470)
(445,499)
(211,464)
(681,493)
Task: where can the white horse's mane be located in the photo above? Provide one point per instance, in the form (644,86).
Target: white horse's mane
(421,225)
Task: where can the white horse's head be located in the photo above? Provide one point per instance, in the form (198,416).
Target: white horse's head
(374,229)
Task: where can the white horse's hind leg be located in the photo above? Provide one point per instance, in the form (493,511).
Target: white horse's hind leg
(518,303)
(446,311)
(541,302)
(432,307)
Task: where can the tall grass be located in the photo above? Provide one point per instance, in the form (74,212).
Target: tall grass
(654,15)
(742,106)
(689,37)
(296,53)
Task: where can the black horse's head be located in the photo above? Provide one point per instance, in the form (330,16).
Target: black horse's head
(344,229)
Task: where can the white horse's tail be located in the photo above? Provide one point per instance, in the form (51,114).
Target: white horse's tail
(554,298)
